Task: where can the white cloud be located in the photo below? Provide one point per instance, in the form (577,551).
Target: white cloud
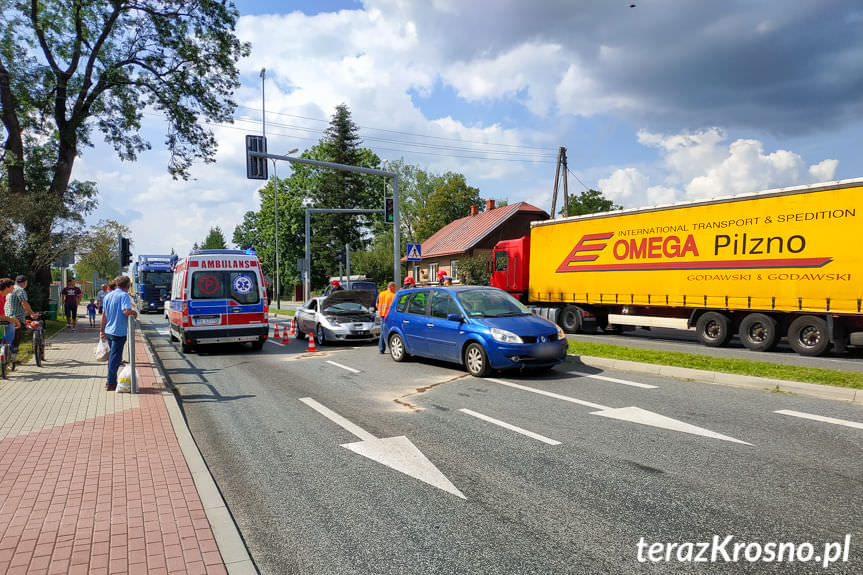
(700,165)
(624,185)
(824,171)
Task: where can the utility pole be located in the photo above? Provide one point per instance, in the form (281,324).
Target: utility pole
(561,161)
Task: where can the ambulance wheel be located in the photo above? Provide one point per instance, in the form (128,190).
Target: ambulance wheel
(186,347)
(713,329)
(808,335)
(758,332)
(258,345)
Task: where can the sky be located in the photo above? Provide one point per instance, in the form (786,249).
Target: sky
(655,101)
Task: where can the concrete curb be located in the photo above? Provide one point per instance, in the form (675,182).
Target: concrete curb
(231,545)
(733,380)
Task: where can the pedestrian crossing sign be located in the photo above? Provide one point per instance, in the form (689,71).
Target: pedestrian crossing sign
(414,253)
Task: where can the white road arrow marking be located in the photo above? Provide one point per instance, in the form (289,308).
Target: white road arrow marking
(813,417)
(395,452)
(638,415)
(634,414)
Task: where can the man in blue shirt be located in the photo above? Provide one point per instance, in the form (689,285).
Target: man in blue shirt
(117,306)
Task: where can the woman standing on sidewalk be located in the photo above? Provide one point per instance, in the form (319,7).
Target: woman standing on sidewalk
(117,306)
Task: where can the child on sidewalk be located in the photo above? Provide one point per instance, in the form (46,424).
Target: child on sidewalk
(91,312)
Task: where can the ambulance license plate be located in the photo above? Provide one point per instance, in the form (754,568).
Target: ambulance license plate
(207,321)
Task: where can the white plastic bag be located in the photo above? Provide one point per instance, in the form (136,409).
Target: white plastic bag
(102,351)
(124,379)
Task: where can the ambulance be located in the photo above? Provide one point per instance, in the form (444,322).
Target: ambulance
(218,296)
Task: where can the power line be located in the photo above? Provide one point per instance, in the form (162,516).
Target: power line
(547,150)
(577,178)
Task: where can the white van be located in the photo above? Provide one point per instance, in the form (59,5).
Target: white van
(217,296)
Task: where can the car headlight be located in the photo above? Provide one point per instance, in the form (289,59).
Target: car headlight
(560,335)
(330,320)
(505,336)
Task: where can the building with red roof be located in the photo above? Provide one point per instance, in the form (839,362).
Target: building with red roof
(472,235)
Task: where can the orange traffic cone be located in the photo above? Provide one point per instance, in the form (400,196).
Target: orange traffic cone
(285,338)
(293,327)
(311,344)
(276,334)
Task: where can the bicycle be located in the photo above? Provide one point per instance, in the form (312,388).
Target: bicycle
(7,362)
(36,326)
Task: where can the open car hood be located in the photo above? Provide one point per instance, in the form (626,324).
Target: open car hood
(362,297)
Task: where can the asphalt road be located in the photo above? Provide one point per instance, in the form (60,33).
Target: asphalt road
(685,341)
(300,447)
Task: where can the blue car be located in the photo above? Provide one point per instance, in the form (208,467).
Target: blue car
(482,328)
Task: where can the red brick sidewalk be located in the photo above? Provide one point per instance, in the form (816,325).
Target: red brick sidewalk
(106,492)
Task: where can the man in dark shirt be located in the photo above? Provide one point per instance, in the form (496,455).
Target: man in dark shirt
(71,298)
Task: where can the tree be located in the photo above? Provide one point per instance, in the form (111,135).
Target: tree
(450,200)
(475,270)
(215,240)
(68,69)
(258,230)
(589,202)
(97,250)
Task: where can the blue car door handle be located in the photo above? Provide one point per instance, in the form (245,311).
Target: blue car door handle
(405,321)
(429,325)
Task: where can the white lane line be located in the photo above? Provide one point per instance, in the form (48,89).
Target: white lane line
(621,381)
(163,331)
(271,340)
(813,417)
(511,427)
(352,370)
(548,393)
(338,419)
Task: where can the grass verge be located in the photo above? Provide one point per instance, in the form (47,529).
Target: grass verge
(25,349)
(288,312)
(739,366)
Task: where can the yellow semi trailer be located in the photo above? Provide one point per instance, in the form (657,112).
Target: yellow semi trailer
(779,263)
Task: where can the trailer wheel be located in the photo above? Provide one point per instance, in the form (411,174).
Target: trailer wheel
(808,335)
(713,329)
(570,319)
(759,332)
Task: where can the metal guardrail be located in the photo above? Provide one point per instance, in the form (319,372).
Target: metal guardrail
(130,332)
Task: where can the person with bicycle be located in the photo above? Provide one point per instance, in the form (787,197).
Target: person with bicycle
(117,306)
(18,307)
(11,324)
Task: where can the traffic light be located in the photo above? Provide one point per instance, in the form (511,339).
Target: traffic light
(388,210)
(125,252)
(340,256)
(256,168)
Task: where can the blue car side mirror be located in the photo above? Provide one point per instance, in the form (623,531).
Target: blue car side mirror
(455,317)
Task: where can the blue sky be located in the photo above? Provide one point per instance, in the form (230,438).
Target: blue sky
(668,101)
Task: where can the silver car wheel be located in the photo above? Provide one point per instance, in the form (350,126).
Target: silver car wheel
(397,348)
(475,360)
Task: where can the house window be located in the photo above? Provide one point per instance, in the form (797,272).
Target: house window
(433,271)
(453,269)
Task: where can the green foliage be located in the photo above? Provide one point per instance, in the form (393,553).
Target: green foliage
(589,202)
(215,240)
(258,231)
(450,200)
(69,69)
(97,250)
(475,270)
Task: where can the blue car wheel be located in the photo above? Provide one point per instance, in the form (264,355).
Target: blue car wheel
(397,348)
(476,360)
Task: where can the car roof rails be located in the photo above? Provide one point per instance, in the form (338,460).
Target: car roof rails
(218,252)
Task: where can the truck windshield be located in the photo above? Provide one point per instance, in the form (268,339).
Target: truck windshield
(162,279)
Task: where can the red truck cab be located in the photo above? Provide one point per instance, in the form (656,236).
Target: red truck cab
(510,266)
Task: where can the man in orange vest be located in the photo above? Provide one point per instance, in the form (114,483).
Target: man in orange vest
(385,301)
